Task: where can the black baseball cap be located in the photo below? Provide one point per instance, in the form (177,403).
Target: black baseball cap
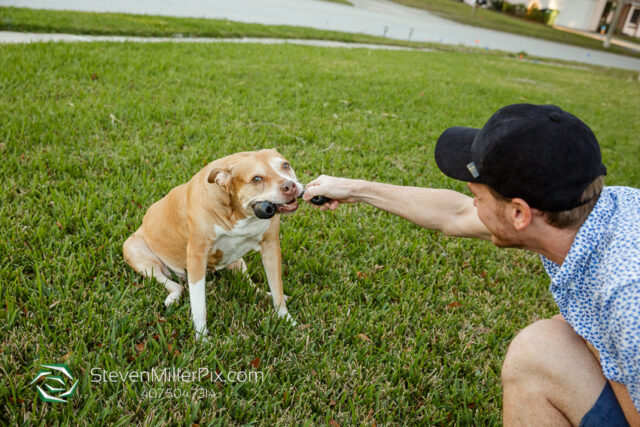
(538,153)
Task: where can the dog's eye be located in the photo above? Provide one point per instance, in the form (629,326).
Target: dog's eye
(286,166)
(256,179)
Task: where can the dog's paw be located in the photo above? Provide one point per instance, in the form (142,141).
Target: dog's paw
(285,314)
(201,336)
(171,299)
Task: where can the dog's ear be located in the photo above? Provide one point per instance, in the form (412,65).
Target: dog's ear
(222,177)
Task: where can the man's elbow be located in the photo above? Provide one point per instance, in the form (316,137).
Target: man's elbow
(455,228)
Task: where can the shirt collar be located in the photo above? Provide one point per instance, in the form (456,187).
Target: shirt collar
(584,243)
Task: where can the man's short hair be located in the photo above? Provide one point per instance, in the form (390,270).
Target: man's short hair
(573,217)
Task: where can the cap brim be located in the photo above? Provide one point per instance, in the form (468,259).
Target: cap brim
(453,152)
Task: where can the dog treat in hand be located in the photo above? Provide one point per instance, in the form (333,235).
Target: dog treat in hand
(318,200)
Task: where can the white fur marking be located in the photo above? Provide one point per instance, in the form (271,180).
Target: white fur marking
(172,298)
(276,165)
(235,243)
(283,312)
(198,298)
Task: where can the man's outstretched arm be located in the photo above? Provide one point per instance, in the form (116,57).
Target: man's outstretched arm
(447,211)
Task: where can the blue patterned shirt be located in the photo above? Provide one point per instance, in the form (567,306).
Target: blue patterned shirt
(597,288)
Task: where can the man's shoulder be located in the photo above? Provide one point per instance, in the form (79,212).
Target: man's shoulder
(606,249)
(617,212)
(621,195)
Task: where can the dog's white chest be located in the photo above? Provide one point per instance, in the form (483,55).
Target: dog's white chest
(234,243)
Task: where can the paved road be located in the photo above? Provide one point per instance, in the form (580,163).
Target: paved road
(376,17)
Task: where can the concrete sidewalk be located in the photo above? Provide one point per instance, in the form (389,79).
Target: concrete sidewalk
(375,17)
(622,43)
(11,37)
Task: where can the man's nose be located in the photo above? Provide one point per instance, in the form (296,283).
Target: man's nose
(288,188)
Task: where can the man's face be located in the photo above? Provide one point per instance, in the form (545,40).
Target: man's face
(494,215)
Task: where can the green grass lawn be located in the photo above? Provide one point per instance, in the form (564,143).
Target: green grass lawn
(461,12)
(398,325)
(35,20)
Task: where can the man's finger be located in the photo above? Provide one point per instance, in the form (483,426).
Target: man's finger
(310,190)
(315,182)
(309,194)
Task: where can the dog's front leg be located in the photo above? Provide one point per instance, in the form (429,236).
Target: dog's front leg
(196,273)
(241,266)
(272,261)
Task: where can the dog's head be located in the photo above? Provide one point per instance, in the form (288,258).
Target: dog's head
(259,176)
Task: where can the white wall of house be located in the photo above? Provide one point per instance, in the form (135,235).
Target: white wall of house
(580,14)
(632,28)
(547,4)
(524,2)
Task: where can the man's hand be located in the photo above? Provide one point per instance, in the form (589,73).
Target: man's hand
(339,190)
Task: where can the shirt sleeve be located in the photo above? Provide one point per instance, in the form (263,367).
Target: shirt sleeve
(621,362)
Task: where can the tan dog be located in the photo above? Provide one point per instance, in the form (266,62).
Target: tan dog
(209,223)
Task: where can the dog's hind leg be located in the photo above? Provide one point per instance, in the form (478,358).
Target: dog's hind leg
(138,255)
(240,266)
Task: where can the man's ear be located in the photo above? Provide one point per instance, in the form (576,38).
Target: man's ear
(521,213)
(222,177)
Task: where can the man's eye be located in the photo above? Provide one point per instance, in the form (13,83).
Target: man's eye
(256,179)
(285,166)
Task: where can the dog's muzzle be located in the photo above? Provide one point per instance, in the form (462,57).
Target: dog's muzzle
(266,210)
